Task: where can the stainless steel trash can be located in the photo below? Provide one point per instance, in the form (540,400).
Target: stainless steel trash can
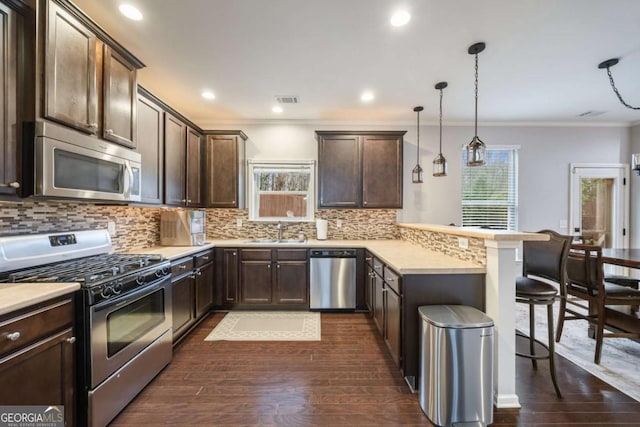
(456,365)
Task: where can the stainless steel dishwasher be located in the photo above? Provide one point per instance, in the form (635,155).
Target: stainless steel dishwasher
(332,279)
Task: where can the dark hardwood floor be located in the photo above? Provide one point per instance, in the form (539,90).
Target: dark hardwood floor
(346,379)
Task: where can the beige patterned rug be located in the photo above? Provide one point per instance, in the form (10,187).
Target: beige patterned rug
(267,326)
(620,357)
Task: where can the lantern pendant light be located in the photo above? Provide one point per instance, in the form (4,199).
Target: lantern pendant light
(476,148)
(416,173)
(440,163)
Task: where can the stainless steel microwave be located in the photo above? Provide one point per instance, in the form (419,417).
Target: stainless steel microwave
(68,164)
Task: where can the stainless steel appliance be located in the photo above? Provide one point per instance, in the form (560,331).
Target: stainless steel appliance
(183,227)
(123,312)
(332,277)
(70,165)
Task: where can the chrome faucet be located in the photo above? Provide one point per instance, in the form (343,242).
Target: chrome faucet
(279,227)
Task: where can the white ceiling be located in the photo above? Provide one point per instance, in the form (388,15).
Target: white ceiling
(540,64)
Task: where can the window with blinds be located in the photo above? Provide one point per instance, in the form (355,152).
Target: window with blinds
(490,192)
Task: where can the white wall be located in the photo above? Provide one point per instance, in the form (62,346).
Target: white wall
(545,155)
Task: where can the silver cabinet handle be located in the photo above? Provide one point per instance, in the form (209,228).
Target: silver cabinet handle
(391,279)
(368,259)
(269,266)
(206,258)
(13,184)
(109,131)
(13,336)
(233,201)
(385,290)
(71,340)
(93,125)
(278,265)
(182,267)
(365,202)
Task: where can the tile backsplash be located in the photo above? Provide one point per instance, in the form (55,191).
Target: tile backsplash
(138,227)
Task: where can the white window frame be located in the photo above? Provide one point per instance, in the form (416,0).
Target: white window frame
(511,203)
(253,190)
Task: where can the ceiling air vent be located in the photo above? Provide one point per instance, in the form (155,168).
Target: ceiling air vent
(287,99)
(591,113)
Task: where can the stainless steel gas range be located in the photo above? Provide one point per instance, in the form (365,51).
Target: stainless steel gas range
(123,312)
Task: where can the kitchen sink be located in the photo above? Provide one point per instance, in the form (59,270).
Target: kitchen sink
(275,241)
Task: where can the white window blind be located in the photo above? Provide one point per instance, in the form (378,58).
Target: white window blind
(490,192)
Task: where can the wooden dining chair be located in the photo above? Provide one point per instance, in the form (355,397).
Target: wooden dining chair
(586,295)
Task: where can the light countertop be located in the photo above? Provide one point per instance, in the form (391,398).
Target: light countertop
(403,256)
(480,233)
(14,296)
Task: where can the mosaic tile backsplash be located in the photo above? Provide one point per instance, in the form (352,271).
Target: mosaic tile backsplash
(139,227)
(447,244)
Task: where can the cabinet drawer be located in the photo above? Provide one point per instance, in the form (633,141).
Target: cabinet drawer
(291,254)
(392,279)
(377,265)
(368,257)
(203,258)
(255,254)
(181,266)
(34,325)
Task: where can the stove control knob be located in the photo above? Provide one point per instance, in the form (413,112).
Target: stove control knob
(140,279)
(117,288)
(106,292)
(162,272)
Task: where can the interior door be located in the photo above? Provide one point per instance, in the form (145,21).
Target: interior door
(599,209)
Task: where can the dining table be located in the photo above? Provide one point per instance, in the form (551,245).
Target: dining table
(629,258)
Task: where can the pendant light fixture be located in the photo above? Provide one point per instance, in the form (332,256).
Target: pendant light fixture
(440,163)
(476,148)
(416,173)
(635,158)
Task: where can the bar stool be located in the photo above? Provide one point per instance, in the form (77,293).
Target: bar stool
(542,260)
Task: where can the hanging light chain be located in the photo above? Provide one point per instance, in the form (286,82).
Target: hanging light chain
(615,90)
(418,145)
(440,121)
(476,94)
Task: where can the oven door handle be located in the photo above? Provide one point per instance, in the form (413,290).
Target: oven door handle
(132,296)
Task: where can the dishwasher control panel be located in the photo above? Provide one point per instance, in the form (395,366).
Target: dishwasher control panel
(332,253)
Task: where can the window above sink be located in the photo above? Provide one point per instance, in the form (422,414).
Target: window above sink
(281,190)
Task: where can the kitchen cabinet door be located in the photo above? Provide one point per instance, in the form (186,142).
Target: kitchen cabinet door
(194,168)
(151,147)
(10,22)
(291,284)
(369,286)
(339,171)
(204,289)
(392,336)
(119,87)
(230,280)
(382,171)
(224,170)
(175,149)
(71,95)
(378,303)
(182,303)
(256,276)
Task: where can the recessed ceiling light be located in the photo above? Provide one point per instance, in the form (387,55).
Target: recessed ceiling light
(277,109)
(130,12)
(208,95)
(367,96)
(400,18)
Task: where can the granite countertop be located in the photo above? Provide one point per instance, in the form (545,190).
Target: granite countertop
(14,296)
(402,256)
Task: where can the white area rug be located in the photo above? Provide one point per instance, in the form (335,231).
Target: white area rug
(620,357)
(267,326)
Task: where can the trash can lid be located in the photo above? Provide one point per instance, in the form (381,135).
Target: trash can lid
(454,316)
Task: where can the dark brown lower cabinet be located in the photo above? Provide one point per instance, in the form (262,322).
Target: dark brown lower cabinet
(369,284)
(182,302)
(291,286)
(378,302)
(204,288)
(392,307)
(255,282)
(38,366)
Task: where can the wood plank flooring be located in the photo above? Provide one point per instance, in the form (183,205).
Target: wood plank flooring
(347,379)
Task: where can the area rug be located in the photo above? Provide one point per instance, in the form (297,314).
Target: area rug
(267,326)
(620,357)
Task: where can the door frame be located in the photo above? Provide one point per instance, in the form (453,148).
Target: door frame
(622,193)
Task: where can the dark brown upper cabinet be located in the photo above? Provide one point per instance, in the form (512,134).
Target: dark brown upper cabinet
(360,169)
(175,149)
(151,147)
(195,165)
(71,95)
(10,116)
(224,169)
(89,79)
(119,87)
